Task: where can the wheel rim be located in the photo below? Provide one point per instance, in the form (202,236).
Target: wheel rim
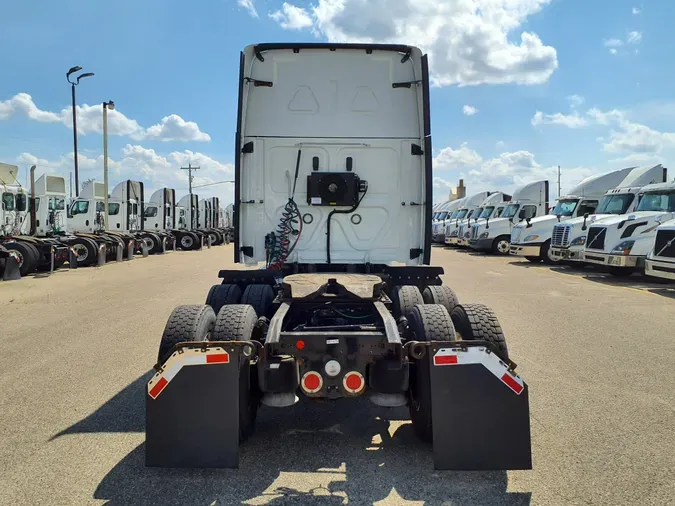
(551,258)
(503,246)
(148,242)
(81,251)
(186,241)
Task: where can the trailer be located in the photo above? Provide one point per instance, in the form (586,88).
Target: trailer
(568,238)
(333,210)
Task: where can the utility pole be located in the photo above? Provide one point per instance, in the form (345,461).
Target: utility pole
(70,183)
(190,168)
(558,181)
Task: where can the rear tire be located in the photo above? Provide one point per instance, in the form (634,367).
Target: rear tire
(86,251)
(440,294)
(221,295)
(476,322)
(260,297)
(27,260)
(238,323)
(405,298)
(430,322)
(186,323)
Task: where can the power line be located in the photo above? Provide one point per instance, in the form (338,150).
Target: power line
(211,184)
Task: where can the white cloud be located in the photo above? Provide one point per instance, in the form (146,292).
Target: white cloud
(636,11)
(90,120)
(634,37)
(505,172)
(248,5)
(500,144)
(575,100)
(612,51)
(139,163)
(573,120)
(469,110)
(468,42)
(291,17)
(613,43)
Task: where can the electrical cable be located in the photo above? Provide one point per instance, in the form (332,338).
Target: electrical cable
(338,211)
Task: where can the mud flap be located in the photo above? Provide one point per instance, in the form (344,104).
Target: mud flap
(120,253)
(144,249)
(130,250)
(12,270)
(72,258)
(480,411)
(192,409)
(102,252)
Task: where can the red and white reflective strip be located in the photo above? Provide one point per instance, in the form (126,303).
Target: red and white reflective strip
(353,382)
(178,360)
(477,355)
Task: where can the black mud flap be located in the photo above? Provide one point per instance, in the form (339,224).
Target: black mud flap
(480,411)
(192,409)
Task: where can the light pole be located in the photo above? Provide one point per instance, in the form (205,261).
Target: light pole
(106,105)
(72,89)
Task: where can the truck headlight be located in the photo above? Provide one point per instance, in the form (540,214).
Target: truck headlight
(579,241)
(485,235)
(532,237)
(623,248)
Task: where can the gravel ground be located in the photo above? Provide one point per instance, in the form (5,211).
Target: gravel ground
(77,348)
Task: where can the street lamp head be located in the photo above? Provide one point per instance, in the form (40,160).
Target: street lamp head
(110,105)
(73,69)
(88,74)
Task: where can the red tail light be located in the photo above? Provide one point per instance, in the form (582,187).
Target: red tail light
(354,382)
(312,382)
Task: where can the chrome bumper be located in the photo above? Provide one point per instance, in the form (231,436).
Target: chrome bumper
(520,250)
(613,260)
(660,269)
(452,241)
(575,255)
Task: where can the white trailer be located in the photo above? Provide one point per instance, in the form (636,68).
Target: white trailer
(660,261)
(621,243)
(494,235)
(568,238)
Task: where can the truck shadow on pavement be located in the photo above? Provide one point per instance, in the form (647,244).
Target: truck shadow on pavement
(312,453)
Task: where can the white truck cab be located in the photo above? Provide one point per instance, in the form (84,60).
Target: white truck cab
(660,261)
(494,235)
(491,207)
(439,218)
(469,206)
(623,242)
(532,239)
(568,238)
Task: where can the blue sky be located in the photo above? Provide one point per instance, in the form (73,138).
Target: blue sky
(520,86)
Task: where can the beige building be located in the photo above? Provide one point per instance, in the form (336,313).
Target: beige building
(459,192)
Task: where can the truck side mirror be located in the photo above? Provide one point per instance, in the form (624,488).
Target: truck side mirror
(522,214)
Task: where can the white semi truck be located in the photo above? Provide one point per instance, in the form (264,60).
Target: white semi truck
(660,261)
(439,217)
(467,208)
(621,243)
(532,239)
(208,220)
(163,215)
(569,237)
(490,208)
(333,195)
(494,235)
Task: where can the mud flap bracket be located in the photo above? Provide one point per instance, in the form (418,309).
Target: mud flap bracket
(192,407)
(480,410)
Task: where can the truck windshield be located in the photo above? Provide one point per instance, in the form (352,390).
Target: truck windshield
(443,215)
(487,212)
(461,214)
(475,213)
(150,212)
(565,207)
(510,211)
(615,204)
(663,200)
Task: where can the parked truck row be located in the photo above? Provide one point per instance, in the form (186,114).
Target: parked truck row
(41,231)
(623,220)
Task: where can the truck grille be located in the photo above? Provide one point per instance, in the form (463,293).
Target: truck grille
(596,238)
(664,246)
(515,235)
(474,232)
(461,231)
(561,235)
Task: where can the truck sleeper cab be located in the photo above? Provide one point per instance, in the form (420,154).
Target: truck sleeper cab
(333,207)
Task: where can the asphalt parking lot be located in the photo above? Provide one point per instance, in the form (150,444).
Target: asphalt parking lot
(78,346)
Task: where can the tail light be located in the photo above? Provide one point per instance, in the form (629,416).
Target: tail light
(311,382)
(354,382)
